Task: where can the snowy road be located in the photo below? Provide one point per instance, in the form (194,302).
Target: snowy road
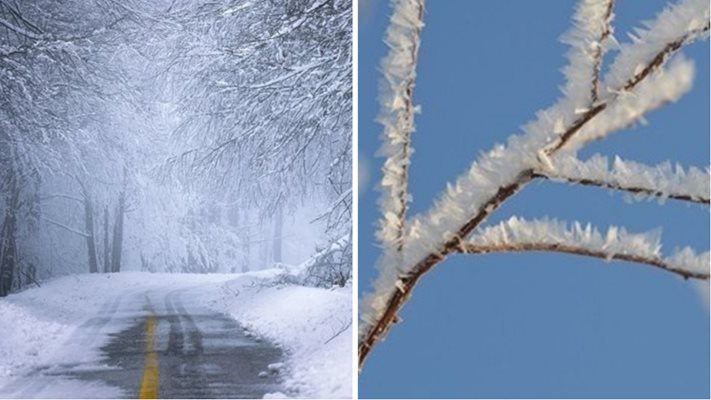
(156,343)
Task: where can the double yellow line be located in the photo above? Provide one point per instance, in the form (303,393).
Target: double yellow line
(151,374)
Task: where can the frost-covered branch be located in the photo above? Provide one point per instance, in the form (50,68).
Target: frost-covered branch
(62,196)
(673,28)
(665,86)
(65,227)
(592,26)
(518,235)
(652,45)
(397,117)
(662,181)
(505,170)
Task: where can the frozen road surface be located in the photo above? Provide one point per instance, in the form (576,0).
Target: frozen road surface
(155,343)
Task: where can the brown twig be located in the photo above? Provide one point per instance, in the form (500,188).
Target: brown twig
(631,189)
(471,248)
(409,112)
(597,65)
(662,56)
(575,127)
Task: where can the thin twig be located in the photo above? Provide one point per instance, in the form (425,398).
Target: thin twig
(662,56)
(345,328)
(407,144)
(401,149)
(597,65)
(471,248)
(28,276)
(65,227)
(631,189)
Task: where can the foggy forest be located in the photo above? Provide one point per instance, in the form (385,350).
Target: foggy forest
(173,136)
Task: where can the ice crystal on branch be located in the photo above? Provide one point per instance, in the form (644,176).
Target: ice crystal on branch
(667,85)
(397,117)
(674,27)
(588,41)
(663,180)
(517,234)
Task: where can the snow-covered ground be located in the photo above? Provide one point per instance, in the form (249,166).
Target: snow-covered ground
(311,325)
(314,325)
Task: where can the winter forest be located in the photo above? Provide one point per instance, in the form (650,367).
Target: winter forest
(174,136)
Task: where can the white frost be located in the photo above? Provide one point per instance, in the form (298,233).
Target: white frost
(685,21)
(667,85)
(688,260)
(616,240)
(591,24)
(397,115)
(662,180)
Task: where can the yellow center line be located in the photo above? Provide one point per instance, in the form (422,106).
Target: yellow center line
(149,384)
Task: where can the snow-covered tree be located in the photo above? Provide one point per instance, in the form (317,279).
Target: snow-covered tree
(54,86)
(171,135)
(268,108)
(643,75)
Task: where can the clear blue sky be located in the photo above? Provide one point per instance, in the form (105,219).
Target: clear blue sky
(532,325)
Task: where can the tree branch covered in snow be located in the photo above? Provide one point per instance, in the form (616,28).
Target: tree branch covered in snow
(65,227)
(675,27)
(662,181)
(665,86)
(652,45)
(398,118)
(519,235)
(588,41)
(638,81)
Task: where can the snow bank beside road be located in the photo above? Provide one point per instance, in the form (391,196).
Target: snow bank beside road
(313,325)
(25,339)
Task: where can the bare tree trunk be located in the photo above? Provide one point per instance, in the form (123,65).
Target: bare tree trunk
(118,229)
(8,253)
(246,246)
(118,237)
(107,250)
(8,240)
(264,245)
(90,242)
(278,228)
(233,220)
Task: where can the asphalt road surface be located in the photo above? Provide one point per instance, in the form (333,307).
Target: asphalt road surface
(155,345)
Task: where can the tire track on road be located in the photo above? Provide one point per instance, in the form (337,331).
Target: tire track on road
(36,380)
(186,377)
